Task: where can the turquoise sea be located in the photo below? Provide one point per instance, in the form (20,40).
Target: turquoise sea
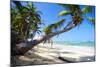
(87,44)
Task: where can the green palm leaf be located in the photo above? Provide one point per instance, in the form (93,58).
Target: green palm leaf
(64,12)
(53,27)
(87,9)
(91,19)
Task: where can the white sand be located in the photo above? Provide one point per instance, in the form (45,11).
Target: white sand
(45,54)
(72,53)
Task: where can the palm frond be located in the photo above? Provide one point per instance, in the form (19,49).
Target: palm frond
(64,13)
(91,19)
(19,6)
(87,9)
(53,27)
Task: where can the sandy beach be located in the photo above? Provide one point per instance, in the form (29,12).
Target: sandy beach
(74,53)
(56,54)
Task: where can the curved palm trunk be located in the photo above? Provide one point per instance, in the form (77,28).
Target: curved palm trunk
(54,34)
(24,48)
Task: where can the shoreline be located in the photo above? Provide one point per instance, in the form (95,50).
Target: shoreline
(71,48)
(73,53)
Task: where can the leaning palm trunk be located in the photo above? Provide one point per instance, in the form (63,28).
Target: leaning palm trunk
(24,47)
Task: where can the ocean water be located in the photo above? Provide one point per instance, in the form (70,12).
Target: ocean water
(87,44)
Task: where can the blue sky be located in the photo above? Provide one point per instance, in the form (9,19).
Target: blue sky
(85,32)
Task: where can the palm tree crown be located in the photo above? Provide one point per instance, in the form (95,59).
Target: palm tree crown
(25,19)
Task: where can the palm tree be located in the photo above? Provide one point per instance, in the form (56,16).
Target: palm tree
(77,16)
(23,20)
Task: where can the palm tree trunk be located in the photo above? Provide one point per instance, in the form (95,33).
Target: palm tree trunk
(38,41)
(54,34)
